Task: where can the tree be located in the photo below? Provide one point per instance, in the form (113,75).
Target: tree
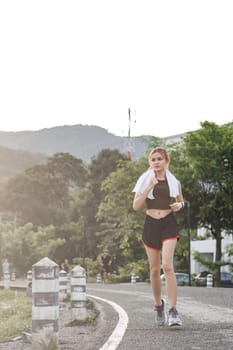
(121,226)
(71,169)
(83,233)
(154,142)
(82,211)
(28,244)
(102,165)
(40,195)
(207,149)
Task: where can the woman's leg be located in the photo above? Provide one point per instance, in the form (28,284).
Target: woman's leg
(168,269)
(154,263)
(105,276)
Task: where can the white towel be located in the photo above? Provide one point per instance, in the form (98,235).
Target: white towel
(145,178)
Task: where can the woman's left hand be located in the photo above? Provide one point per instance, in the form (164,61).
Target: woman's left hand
(176,206)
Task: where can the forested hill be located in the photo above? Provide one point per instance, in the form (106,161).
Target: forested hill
(13,162)
(82,141)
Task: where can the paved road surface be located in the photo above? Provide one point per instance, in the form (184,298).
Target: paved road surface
(207,314)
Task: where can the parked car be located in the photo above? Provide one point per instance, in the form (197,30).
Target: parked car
(225,281)
(201,278)
(182,278)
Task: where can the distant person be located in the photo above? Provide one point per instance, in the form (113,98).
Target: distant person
(106,265)
(65,265)
(6,267)
(157,188)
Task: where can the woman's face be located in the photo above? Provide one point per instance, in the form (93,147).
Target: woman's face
(158,162)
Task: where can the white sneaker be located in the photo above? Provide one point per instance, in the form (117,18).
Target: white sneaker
(161,316)
(173,318)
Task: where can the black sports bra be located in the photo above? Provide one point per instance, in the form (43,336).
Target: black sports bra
(162,197)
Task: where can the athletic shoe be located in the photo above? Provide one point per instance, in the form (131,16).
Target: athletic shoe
(161,316)
(173,318)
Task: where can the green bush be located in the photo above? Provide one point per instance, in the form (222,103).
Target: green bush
(91,266)
(140,268)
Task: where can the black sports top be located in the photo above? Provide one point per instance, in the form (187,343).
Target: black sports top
(162,197)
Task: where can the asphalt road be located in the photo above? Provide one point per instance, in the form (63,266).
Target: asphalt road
(207,315)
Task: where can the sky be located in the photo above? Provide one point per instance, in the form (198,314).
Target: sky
(87,62)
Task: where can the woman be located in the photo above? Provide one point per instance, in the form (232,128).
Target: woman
(157,187)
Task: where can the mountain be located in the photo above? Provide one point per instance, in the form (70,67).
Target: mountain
(13,162)
(82,141)
(24,149)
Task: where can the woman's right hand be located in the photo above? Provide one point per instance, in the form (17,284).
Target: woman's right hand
(139,199)
(153,181)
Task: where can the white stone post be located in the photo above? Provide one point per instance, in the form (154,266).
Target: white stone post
(98,278)
(45,305)
(29,284)
(6,280)
(78,293)
(13,276)
(29,276)
(209,281)
(133,278)
(63,285)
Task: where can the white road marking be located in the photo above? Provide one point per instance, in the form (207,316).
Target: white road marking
(119,331)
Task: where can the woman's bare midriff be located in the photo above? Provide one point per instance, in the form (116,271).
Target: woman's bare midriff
(158,213)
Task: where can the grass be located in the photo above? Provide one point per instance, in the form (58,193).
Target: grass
(90,320)
(15,314)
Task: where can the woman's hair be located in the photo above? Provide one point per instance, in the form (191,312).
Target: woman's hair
(160,150)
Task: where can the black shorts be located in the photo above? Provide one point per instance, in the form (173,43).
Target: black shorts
(156,231)
(106,269)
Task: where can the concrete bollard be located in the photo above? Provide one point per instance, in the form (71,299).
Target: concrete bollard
(209,281)
(6,280)
(98,278)
(78,293)
(29,276)
(29,284)
(133,278)
(13,276)
(45,306)
(63,285)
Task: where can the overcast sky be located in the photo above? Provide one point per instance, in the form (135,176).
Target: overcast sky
(87,62)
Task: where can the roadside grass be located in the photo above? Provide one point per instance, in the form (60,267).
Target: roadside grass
(15,314)
(91,319)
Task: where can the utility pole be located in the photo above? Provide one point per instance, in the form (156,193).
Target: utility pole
(129,112)
(129,143)
(189,240)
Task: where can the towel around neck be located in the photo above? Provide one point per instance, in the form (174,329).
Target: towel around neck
(144,180)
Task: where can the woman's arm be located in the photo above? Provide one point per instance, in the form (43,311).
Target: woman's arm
(179,204)
(140,198)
